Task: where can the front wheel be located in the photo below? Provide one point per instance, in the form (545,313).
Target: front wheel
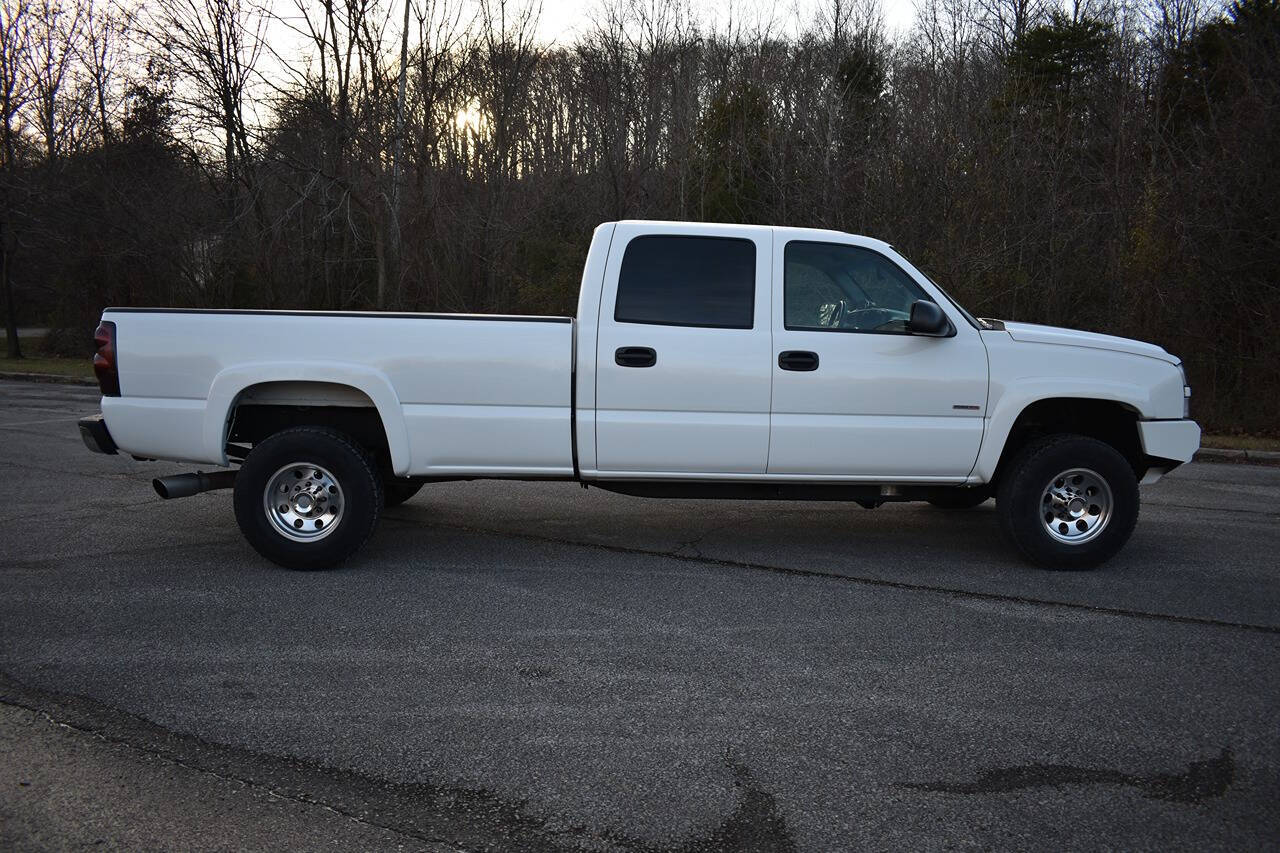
(1068,502)
(308,497)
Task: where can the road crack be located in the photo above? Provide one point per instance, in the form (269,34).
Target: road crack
(861,580)
(447,817)
(1201,781)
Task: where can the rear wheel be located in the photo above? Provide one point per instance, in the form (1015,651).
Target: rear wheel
(1068,502)
(308,497)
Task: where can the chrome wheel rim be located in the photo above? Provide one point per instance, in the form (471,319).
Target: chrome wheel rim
(303,502)
(1076,506)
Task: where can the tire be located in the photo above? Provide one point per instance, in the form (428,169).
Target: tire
(288,463)
(1081,489)
(959,498)
(397,491)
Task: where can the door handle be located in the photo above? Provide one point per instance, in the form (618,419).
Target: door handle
(794,359)
(635,357)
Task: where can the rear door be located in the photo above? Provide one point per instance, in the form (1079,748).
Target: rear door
(684,349)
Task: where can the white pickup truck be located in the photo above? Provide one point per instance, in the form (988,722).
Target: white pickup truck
(706,361)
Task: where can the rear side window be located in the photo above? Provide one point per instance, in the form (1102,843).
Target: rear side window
(688,281)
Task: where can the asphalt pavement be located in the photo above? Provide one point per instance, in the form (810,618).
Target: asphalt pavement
(539,666)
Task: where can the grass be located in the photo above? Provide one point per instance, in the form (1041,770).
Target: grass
(33,363)
(1240,442)
(81,367)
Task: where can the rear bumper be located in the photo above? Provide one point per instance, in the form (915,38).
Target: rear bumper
(1176,441)
(96,436)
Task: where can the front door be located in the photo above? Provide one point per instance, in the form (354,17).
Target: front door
(683,353)
(855,395)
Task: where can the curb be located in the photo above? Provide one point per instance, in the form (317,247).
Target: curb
(54,378)
(1256,457)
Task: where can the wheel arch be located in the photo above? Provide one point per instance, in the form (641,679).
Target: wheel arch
(1108,419)
(317,393)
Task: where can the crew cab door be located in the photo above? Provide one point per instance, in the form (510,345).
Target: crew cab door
(855,395)
(683,351)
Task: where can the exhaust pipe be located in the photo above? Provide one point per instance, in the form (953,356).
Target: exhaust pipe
(186,485)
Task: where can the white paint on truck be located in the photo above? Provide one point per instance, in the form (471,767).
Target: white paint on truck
(475,395)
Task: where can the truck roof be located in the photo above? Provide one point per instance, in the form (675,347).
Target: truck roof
(712,227)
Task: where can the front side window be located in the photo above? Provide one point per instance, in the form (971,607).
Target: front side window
(834,287)
(688,281)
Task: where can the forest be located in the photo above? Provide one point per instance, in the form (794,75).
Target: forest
(1111,165)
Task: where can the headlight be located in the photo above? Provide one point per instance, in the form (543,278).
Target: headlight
(1186,392)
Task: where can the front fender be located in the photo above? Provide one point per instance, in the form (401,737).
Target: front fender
(231,383)
(1014,397)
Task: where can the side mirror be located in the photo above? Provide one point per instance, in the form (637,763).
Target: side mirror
(927,319)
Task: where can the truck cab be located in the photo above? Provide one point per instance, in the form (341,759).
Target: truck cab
(785,353)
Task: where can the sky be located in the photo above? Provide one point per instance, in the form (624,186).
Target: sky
(561,18)
(561,21)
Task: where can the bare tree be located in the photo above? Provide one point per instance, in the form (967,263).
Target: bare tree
(508,53)
(101,56)
(15,50)
(212,48)
(56,36)
(1004,22)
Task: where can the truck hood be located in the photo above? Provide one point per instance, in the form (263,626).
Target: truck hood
(1031,333)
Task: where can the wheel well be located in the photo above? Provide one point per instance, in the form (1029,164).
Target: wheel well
(1106,420)
(265,409)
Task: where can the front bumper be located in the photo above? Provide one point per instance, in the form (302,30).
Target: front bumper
(96,436)
(1176,441)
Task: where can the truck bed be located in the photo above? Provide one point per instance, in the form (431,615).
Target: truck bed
(460,394)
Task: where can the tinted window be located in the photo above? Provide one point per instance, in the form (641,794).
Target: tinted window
(688,281)
(829,286)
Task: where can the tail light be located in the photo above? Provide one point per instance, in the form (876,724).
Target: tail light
(104,359)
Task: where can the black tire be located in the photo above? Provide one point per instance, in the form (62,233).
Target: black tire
(960,498)
(396,491)
(1026,502)
(349,475)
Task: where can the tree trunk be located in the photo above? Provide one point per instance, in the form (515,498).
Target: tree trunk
(397,155)
(380,255)
(10,315)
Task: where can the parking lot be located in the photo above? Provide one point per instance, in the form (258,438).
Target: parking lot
(539,666)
